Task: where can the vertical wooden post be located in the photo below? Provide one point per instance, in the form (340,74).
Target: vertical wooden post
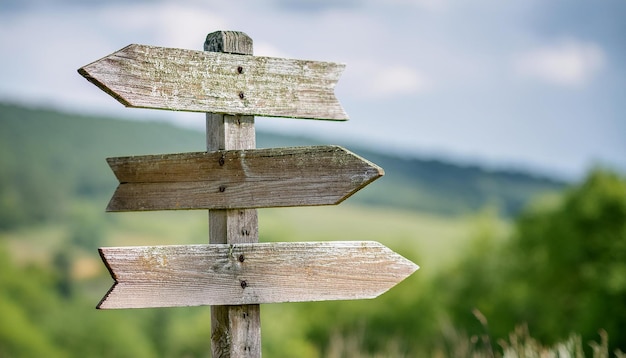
(235,330)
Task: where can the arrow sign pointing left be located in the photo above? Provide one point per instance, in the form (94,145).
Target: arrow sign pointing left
(241,274)
(185,80)
(232,179)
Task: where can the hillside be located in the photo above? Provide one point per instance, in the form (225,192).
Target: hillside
(49,157)
(54,172)
(437,186)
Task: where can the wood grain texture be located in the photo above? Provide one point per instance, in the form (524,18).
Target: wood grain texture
(235,42)
(235,330)
(185,80)
(224,274)
(254,178)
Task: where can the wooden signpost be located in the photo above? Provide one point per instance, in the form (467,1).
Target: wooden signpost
(235,273)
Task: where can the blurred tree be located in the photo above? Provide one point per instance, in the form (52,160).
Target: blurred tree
(563,271)
(572,260)
(471,289)
(23,301)
(87,227)
(62,263)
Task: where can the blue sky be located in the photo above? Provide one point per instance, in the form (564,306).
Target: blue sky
(529,84)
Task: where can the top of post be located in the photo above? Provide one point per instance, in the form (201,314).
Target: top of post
(234,42)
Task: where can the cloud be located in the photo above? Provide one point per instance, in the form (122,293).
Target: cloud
(315,5)
(434,5)
(165,24)
(263,48)
(569,63)
(378,81)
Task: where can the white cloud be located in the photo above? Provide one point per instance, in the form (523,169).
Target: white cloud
(569,63)
(262,48)
(378,81)
(166,24)
(433,5)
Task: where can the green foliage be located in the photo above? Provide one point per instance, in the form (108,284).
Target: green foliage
(576,273)
(443,312)
(87,226)
(39,320)
(20,334)
(49,158)
(562,272)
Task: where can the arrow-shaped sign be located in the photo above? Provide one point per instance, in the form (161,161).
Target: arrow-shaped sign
(192,275)
(253,178)
(185,80)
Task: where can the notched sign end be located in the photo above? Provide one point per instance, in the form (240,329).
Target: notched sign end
(103,302)
(113,204)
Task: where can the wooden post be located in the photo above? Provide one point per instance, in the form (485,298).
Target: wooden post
(235,330)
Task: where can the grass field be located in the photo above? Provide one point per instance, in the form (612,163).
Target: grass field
(433,242)
(430,241)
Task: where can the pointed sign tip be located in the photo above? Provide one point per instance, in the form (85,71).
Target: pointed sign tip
(84,71)
(414,268)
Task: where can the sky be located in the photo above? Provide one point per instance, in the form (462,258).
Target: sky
(520,84)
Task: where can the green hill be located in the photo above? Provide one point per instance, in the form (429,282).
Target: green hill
(49,157)
(474,264)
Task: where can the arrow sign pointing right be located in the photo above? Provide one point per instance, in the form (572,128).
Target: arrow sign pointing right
(253,178)
(185,80)
(193,275)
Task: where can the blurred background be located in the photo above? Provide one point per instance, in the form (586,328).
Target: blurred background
(500,125)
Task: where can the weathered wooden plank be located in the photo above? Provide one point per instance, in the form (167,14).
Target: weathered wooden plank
(254,178)
(185,80)
(226,274)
